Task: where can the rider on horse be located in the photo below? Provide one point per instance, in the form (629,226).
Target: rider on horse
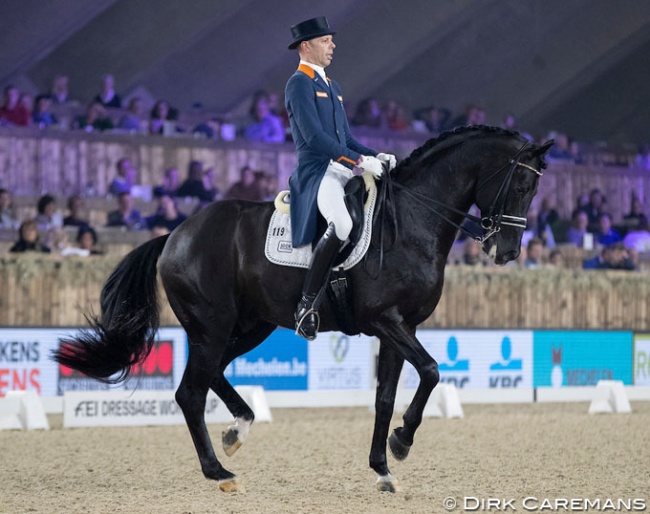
(327,153)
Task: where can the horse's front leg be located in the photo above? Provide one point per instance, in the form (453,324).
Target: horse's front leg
(389,367)
(394,332)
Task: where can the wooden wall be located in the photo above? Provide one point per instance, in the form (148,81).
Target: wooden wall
(63,163)
(50,291)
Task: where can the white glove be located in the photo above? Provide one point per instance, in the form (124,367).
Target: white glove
(372,165)
(388,158)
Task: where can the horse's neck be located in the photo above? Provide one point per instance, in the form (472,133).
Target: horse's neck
(449,184)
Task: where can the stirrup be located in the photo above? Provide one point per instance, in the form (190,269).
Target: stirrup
(299,322)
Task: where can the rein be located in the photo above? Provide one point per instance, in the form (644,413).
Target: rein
(491,223)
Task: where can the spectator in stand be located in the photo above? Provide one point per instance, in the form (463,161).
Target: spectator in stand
(605,234)
(170,182)
(578,229)
(87,240)
(556,258)
(107,95)
(95,119)
(431,119)
(560,151)
(595,208)
(471,254)
(263,125)
(247,188)
(473,115)
(368,114)
(125,215)
(270,189)
(193,185)
(167,214)
(125,178)
(48,215)
(28,239)
(60,90)
(509,122)
(133,119)
(639,238)
(534,252)
(42,115)
(210,185)
(576,153)
(161,119)
(546,217)
(210,129)
(612,257)
(13,111)
(635,217)
(77,207)
(7,214)
(395,115)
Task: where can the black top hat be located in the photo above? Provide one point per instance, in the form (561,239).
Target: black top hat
(310,29)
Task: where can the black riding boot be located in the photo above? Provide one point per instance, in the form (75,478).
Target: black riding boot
(322,260)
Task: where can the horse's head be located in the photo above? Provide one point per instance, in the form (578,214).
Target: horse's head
(504,196)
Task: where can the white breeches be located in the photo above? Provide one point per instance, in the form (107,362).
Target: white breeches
(330,199)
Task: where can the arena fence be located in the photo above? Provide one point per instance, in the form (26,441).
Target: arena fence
(52,291)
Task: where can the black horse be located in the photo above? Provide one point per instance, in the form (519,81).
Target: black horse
(229,297)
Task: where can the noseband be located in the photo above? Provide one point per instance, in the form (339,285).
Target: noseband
(496,218)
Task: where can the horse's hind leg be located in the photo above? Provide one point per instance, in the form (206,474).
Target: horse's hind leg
(388,371)
(202,369)
(234,436)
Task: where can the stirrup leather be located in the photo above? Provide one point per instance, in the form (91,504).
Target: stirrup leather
(303,316)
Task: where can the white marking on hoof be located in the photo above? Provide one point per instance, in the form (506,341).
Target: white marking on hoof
(388,483)
(232,485)
(235,435)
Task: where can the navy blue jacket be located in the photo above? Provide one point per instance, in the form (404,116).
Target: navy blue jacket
(320,132)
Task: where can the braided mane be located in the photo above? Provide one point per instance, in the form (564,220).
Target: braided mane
(444,141)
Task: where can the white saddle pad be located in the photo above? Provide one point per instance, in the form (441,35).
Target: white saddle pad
(278,248)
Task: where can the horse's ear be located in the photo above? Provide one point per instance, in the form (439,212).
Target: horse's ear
(541,150)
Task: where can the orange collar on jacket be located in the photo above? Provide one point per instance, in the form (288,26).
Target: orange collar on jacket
(309,71)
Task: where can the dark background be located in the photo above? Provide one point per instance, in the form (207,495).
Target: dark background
(577,66)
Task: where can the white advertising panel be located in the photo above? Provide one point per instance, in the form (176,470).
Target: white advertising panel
(132,408)
(641,360)
(26,364)
(338,361)
(478,358)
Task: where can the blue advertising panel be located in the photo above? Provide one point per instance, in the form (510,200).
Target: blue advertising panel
(279,363)
(478,358)
(575,358)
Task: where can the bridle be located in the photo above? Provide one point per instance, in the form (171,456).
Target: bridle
(491,223)
(496,218)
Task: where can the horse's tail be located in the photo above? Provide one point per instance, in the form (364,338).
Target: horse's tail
(124,334)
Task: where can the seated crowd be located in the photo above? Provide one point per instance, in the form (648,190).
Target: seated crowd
(266,120)
(591,227)
(49,231)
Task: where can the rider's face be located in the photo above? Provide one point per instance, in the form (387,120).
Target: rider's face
(320,50)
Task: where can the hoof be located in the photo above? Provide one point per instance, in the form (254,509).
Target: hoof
(399,450)
(231,485)
(388,484)
(231,441)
